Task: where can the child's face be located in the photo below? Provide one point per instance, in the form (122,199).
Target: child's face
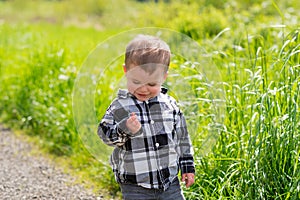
(144,85)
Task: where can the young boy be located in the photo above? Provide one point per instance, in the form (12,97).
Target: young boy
(147,128)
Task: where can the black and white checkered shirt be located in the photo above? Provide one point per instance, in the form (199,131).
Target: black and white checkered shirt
(152,157)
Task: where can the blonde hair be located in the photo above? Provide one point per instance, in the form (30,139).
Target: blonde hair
(147,51)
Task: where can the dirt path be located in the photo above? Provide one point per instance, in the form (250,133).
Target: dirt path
(24,176)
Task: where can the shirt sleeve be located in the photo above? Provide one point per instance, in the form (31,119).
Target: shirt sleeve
(112,128)
(184,148)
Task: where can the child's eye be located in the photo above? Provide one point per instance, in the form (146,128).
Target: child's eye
(152,84)
(136,82)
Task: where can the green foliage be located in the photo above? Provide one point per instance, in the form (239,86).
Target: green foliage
(254,44)
(257,154)
(198,25)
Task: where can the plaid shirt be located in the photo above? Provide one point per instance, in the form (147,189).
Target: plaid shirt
(152,157)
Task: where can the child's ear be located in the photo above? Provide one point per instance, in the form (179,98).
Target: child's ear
(124,68)
(166,75)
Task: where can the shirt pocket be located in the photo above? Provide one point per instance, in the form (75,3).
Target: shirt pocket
(165,123)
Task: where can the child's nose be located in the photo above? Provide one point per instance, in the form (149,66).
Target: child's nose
(143,88)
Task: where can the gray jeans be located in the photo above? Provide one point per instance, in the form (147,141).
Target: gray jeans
(134,192)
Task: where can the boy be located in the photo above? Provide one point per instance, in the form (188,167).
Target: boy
(147,128)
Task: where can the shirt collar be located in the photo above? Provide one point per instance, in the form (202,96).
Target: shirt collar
(164,90)
(123,94)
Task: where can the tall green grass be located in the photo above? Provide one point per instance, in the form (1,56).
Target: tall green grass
(257,153)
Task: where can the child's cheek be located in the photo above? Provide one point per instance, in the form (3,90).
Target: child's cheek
(132,87)
(156,90)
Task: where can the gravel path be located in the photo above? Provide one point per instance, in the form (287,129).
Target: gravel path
(23,176)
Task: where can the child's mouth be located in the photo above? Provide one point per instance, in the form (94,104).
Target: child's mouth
(142,95)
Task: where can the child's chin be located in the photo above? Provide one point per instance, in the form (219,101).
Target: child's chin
(143,98)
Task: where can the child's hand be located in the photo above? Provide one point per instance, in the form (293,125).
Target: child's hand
(188,178)
(133,123)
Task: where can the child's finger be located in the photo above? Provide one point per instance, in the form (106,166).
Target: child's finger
(183,178)
(134,117)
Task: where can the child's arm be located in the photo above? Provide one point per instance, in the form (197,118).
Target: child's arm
(116,128)
(184,149)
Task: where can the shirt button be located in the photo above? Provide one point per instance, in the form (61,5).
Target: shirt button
(157,144)
(152,121)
